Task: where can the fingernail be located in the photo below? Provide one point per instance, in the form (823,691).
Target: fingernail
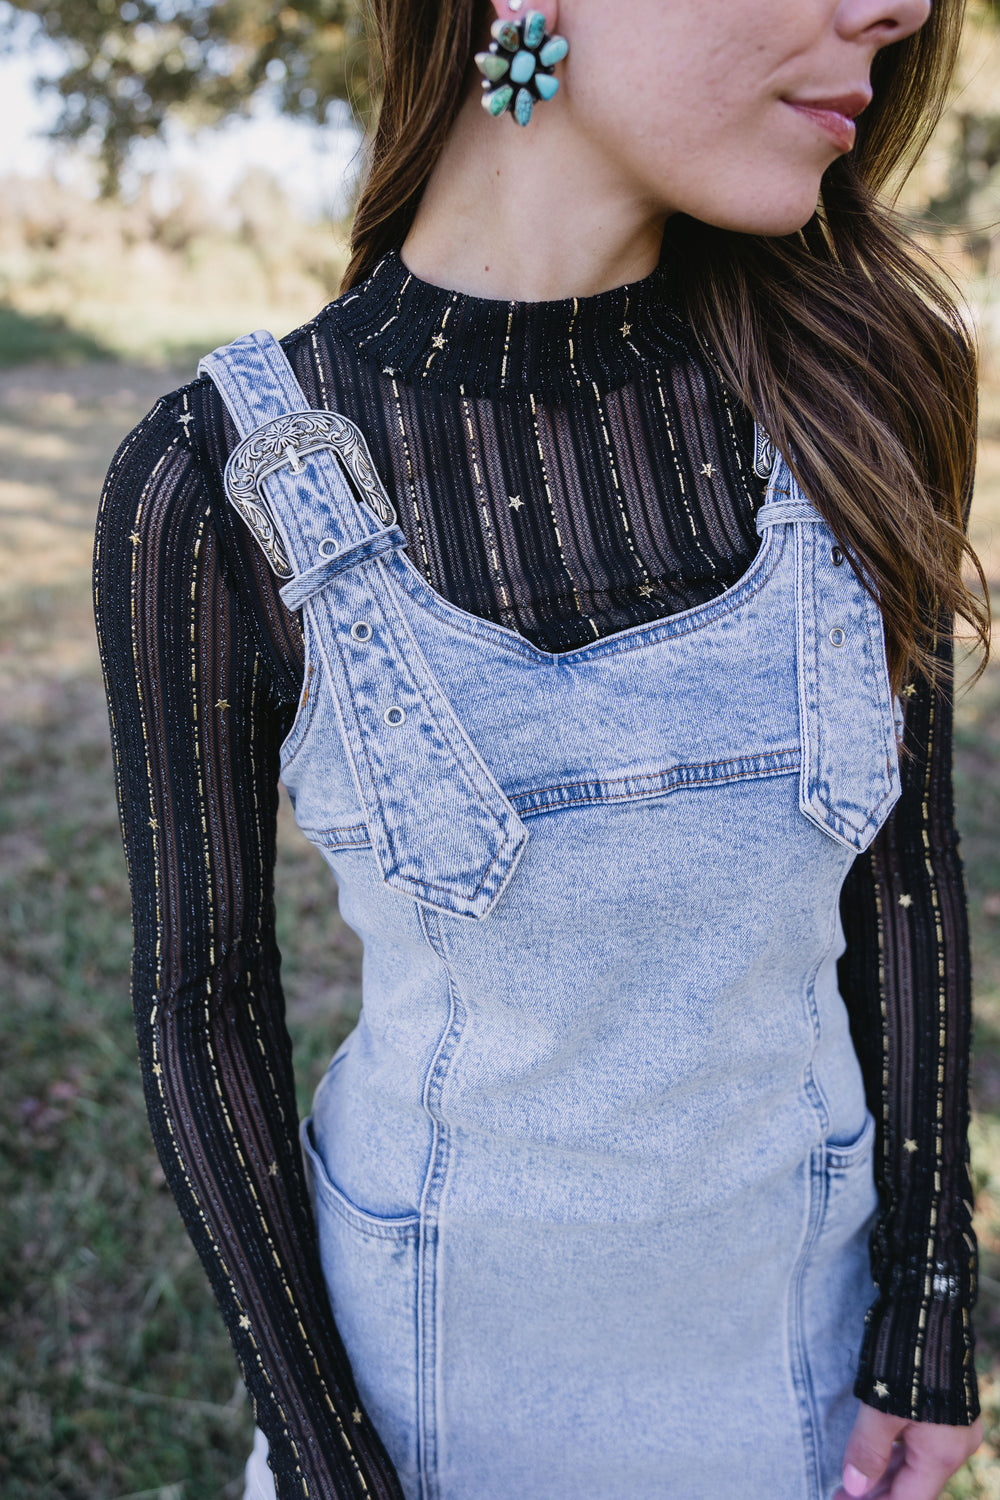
(855,1482)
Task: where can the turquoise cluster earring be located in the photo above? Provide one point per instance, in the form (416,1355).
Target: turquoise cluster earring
(517,69)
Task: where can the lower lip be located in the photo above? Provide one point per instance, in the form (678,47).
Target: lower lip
(839,128)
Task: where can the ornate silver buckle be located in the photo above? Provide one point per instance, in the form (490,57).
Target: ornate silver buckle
(288,440)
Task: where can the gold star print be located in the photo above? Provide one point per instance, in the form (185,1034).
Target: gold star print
(626,329)
(154,825)
(185,418)
(244,1321)
(645,589)
(157,1070)
(135,538)
(222,703)
(388,370)
(906,900)
(356,1414)
(909,690)
(708,470)
(438,341)
(516,502)
(909,1146)
(881,1389)
(272,1170)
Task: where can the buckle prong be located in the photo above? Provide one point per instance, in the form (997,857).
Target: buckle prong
(291,453)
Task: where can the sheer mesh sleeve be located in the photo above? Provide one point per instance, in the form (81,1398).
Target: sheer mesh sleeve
(905,977)
(196,726)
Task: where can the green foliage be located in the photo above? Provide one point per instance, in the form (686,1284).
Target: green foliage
(132,65)
(25,337)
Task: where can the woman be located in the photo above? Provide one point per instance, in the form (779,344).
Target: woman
(593,717)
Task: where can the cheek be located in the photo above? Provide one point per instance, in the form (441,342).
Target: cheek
(757,174)
(685,108)
(740,161)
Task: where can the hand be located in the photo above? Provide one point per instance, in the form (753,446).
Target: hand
(892,1458)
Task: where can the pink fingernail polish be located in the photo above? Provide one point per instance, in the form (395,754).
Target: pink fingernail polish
(855,1482)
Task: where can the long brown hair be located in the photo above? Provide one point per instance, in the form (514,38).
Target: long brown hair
(845,340)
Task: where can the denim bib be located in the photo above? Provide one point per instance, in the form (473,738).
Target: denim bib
(593,1172)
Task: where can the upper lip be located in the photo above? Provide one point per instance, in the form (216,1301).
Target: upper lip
(842,104)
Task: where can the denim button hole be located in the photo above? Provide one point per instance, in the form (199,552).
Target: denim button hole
(837,636)
(394,717)
(328,547)
(361,631)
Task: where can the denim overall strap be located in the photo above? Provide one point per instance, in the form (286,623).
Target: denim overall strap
(847,728)
(440,826)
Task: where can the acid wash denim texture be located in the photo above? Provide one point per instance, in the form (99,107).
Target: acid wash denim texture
(593,1172)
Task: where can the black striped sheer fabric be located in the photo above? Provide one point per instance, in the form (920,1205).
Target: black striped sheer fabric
(568,469)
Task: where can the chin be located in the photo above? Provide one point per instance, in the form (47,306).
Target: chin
(766,213)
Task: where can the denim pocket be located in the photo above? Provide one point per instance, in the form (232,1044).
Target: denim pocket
(837,1291)
(849,781)
(370,1268)
(843,1159)
(851,1198)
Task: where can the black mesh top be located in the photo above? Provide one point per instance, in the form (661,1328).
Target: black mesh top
(568,469)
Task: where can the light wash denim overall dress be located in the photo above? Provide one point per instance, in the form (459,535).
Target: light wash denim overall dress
(593,1172)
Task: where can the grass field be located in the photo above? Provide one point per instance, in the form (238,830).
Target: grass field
(116,1379)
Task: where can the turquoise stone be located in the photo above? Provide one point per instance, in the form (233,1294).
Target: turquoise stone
(496,102)
(554,51)
(491,65)
(522,67)
(546,85)
(534,28)
(523,105)
(506,34)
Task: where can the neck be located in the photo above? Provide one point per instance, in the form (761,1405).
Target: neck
(533,214)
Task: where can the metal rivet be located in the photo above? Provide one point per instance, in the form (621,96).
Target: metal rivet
(838,557)
(837,636)
(394,717)
(328,547)
(361,631)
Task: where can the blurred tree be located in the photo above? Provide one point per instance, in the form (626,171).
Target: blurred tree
(971,197)
(131,64)
(966,198)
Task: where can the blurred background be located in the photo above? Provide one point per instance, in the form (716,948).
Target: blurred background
(173,173)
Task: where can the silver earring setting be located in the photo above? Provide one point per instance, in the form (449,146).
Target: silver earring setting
(517,69)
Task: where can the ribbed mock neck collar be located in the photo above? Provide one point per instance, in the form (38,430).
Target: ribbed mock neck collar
(425,333)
